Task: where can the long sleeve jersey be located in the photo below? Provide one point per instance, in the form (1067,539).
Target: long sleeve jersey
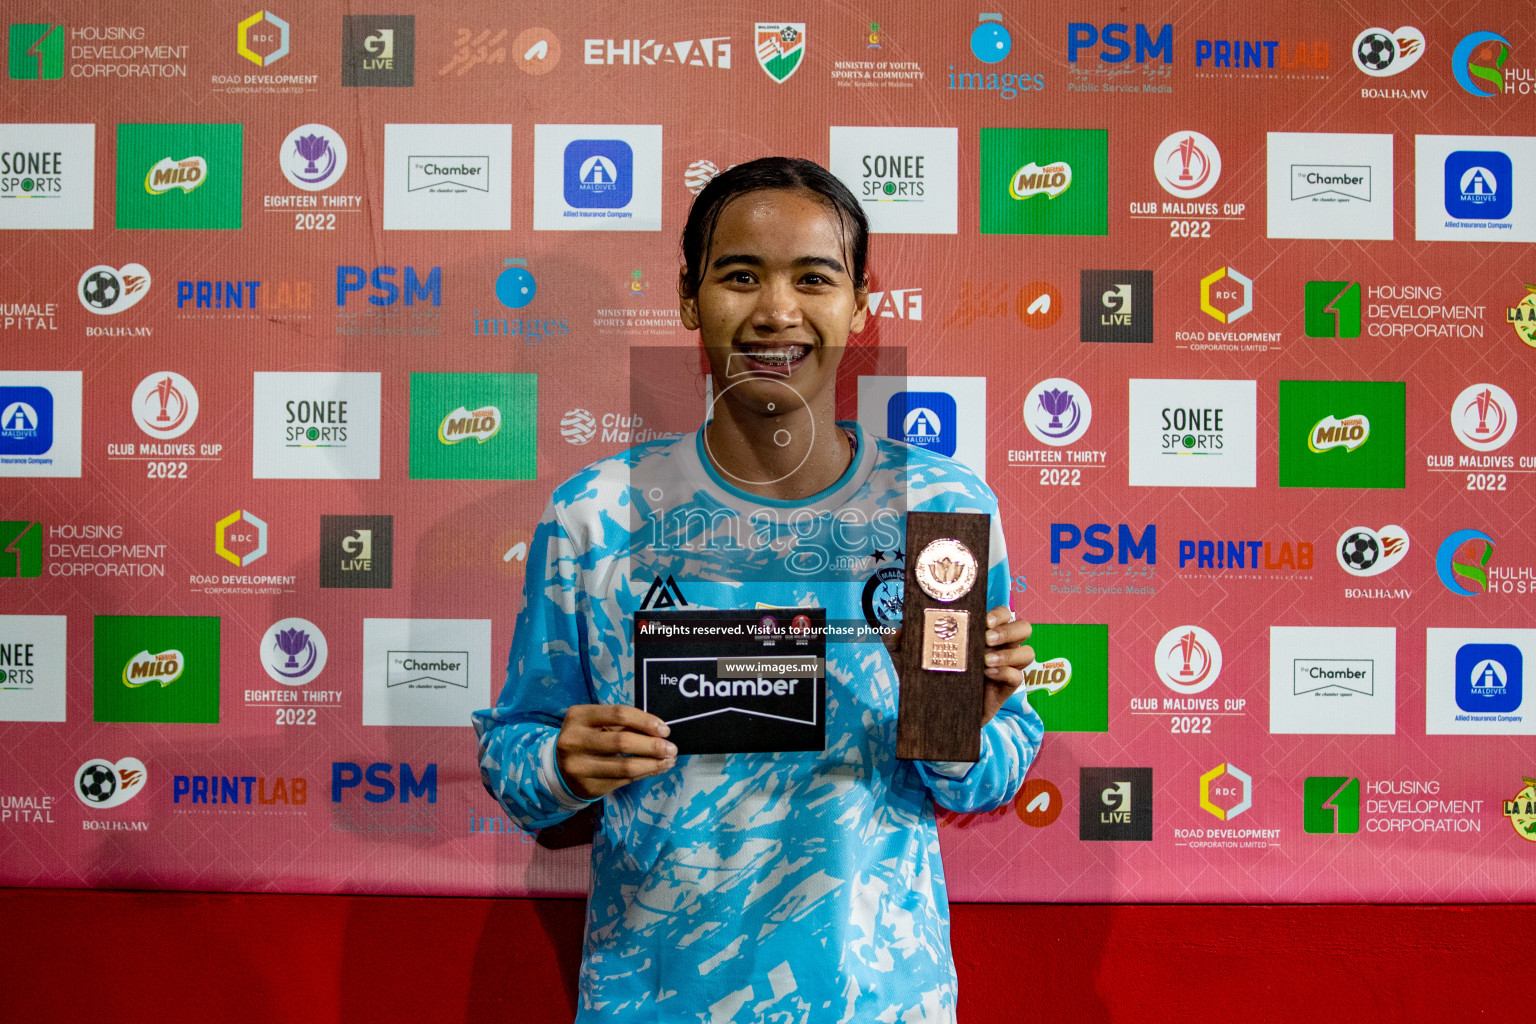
(749,887)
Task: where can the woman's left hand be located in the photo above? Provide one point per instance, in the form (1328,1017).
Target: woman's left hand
(1007,657)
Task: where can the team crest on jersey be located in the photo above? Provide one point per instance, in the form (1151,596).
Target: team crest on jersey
(663,594)
(780,47)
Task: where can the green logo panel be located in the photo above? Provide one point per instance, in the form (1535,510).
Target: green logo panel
(1044,181)
(21,548)
(35,51)
(157,668)
(1330,804)
(1333,309)
(473,426)
(1082,703)
(1342,433)
(179,175)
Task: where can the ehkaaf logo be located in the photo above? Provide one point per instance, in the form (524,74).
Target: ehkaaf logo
(1116,306)
(356,552)
(1115,804)
(415,286)
(382,787)
(1331,805)
(711,52)
(102,785)
(378,50)
(163,668)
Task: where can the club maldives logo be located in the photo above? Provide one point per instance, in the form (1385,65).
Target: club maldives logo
(1380,53)
(1474,570)
(1521,810)
(1188,660)
(482,424)
(578,426)
(313,157)
(1057,412)
(1363,551)
(165,405)
(1478,63)
(1522,316)
(1187,164)
(1331,432)
(163,668)
(102,785)
(1484,417)
(293,651)
(107,291)
(780,48)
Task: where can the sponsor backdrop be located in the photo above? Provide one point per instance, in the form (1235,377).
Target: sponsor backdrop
(305,312)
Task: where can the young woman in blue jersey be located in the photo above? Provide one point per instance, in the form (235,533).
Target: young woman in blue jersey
(752,887)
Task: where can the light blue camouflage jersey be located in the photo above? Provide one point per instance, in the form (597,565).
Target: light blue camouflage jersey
(800,887)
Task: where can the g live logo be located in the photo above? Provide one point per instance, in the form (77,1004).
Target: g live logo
(1331,805)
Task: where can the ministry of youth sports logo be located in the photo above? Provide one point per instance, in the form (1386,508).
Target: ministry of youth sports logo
(1188,660)
(1057,412)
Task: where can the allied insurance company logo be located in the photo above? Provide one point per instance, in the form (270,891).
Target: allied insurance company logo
(102,785)
(1380,53)
(599,174)
(313,157)
(165,404)
(1484,417)
(1473,570)
(1187,164)
(1363,551)
(1057,412)
(293,651)
(263,38)
(1479,185)
(107,291)
(26,420)
(1521,810)
(780,48)
(1490,678)
(1188,660)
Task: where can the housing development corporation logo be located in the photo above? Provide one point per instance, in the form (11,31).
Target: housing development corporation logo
(780,47)
(1332,309)
(1330,805)
(1115,804)
(35,52)
(1188,660)
(21,549)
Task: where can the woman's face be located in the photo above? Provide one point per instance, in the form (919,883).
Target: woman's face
(776,302)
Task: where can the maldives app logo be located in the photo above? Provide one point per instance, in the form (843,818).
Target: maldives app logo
(473,426)
(1068,684)
(1330,805)
(1333,309)
(1475,682)
(1342,433)
(157,668)
(35,52)
(179,175)
(1044,181)
(597,177)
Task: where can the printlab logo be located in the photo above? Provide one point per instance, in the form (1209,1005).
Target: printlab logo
(157,668)
(107,291)
(447,177)
(1226,791)
(165,405)
(1521,810)
(906,178)
(1226,295)
(1478,63)
(1325,185)
(36,52)
(1363,551)
(1116,306)
(1330,805)
(40,423)
(1044,181)
(780,48)
(262,39)
(1057,412)
(1187,164)
(1115,804)
(1188,660)
(47,176)
(1490,678)
(1380,53)
(357,552)
(21,549)
(378,50)
(473,426)
(1484,417)
(294,651)
(1069,684)
(102,785)
(179,176)
(1471,566)
(1332,309)
(1342,434)
(313,157)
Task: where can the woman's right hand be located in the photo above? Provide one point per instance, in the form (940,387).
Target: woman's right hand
(603,746)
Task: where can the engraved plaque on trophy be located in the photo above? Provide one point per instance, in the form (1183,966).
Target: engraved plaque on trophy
(940,659)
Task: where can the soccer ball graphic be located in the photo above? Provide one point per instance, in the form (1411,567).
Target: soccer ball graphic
(1359,551)
(1376,52)
(101,290)
(787,36)
(97,783)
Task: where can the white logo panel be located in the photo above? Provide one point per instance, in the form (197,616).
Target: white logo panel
(33,662)
(315,426)
(48,176)
(425,671)
(907,179)
(447,177)
(1333,680)
(1193,433)
(1330,185)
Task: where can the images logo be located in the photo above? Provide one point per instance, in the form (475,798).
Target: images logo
(1069,684)
(1479,185)
(356,552)
(1057,412)
(482,405)
(780,48)
(1331,432)
(179,176)
(102,785)
(1484,417)
(1372,434)
(1490,51)
(252,538)
(1363,551)
(186,668)
(378,50)
(21,549)
(245,36)
(1073,179)
(1522,316)
(599,174)
(163,668)
(26,420)
(36,52)
(1380,53)
(1188,660)
(1238,295)
(1330,805)
(923,419)
(1333,309)
(294,651)
(1116,306)
(106,291)
(1448,568)
(991,41)
(1238,788)
(165,405)
(1521,811)
(515,286)
(1115,804)
(1187,163)
(313,157)
(1490,678)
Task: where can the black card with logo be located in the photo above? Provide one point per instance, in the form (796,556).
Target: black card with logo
(732,682)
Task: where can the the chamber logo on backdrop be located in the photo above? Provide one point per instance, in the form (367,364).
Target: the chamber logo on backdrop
(1115,804)
(1330,805)
(315,426)
(432,672)
(709,52)
(1099,55)
(597,177)
(1484,417)
(106,290)
(186,176)
(157,668)
(1044,181)
(357,552)
(40,423)
(33,668)
(1475,188)
(447,177)
(780,47)
(1333,680)
(1068,684)
(946,415)
(1116,306)
(1329,185)
(1475,681)
(102,785)
(378,50)
(1363,551)
(47,176)
(294,651)
(907,179)
(1342,433)
(1193,433)
(991,43)
(35,52)
(473,426)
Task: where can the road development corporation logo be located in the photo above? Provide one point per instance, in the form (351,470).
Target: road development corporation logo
(165,404)
(1478,63)
(1115,804)
(107,291)
(1225,792)
(1057,412)
(1475,681)
(1462,562)
(102,785)
(262,46)
(1363,551)
(1380,53)
(1188,660)
(313,157)
(1521,811)
(293,651)
(1332,680)
(1332,309)
(1330,805)
(1484,417)
(1187,164)
(780,47)
(240,538)
(1226,295)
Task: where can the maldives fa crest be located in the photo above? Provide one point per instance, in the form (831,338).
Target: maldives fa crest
(780,47)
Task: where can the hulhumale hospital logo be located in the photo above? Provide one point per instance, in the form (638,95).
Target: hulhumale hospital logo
(1478,63)
(1464,576)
